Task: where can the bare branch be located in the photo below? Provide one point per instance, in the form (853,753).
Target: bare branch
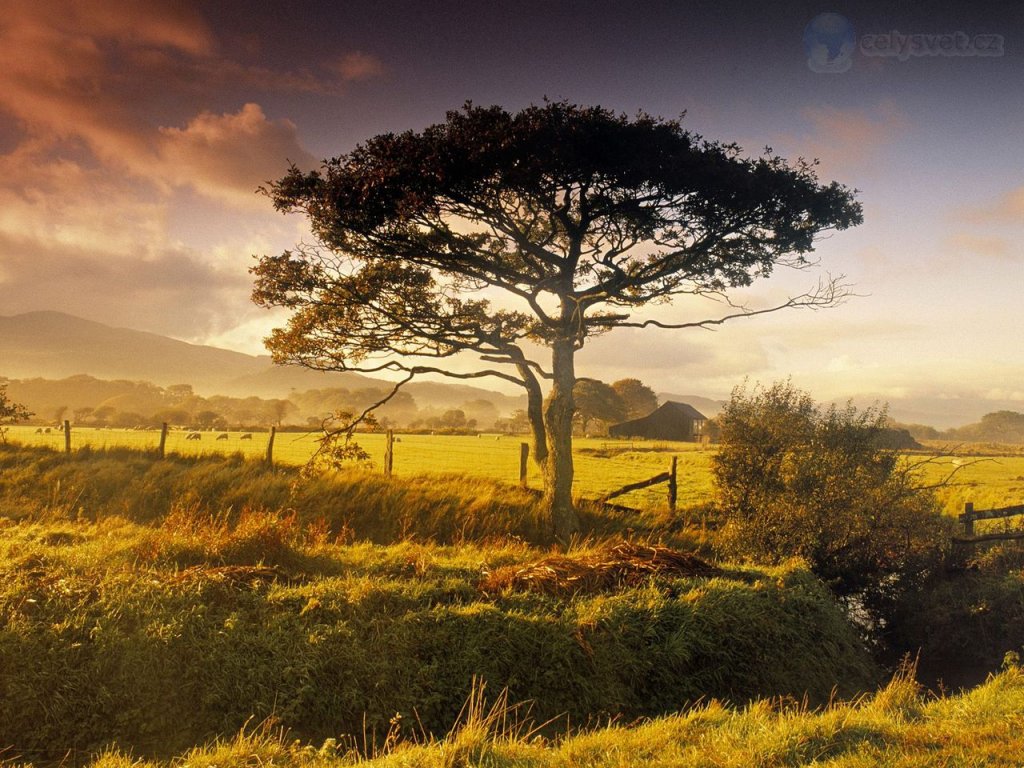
(827,294)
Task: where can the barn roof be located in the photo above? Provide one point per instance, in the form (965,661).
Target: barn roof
(669,421)
(682,409)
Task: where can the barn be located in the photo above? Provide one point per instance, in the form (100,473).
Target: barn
(670,421)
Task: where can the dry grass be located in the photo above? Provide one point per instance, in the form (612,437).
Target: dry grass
(621,565)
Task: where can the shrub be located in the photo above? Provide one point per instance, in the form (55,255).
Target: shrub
(797,479)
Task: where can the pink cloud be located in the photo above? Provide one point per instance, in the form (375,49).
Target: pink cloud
(980,245)
(847,140)
(227,156)
(123,78)
(357,66)
(1006,209)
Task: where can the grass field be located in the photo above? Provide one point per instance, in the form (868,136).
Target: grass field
(601,465)
(150,607)
(987,476)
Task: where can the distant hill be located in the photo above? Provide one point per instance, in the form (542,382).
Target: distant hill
(55,345)
(706,406)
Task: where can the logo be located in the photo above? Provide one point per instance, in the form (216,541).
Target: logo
(829,42)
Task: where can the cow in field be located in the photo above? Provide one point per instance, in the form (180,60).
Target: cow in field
(246,436)
(193,436)
(222,436)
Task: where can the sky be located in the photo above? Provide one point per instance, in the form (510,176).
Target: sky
(134,135)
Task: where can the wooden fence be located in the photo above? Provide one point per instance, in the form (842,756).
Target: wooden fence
(161,447)
(971,515)
(670,477)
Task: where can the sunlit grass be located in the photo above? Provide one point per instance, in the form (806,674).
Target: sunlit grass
(155,637)
(601,465)
(898,727)
(995,478)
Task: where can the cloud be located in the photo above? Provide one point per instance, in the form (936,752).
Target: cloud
(357,66)
(1008,208)
(980,246)
(82,238)
(847,140)
(171,291)
(130,84)
(58,201)
(228,156)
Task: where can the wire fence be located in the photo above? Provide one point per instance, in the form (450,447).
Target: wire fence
(601,466)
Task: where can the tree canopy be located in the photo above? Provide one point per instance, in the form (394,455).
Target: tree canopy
(638,398)
(576,217)
(597,401)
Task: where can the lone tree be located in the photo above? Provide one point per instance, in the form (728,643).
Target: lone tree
(575,216)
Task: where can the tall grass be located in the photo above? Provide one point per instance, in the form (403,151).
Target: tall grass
(898,727)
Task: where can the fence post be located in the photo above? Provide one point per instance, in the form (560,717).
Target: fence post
(524,456)
(67,436)
(968,518)
(163,440)
(673,487)
(389,453)
(270,446)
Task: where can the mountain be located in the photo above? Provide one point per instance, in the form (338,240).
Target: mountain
(705,405)
(55,345)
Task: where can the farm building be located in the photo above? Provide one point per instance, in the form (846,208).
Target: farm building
(670,421)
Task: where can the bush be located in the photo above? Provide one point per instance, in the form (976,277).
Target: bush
(797,479)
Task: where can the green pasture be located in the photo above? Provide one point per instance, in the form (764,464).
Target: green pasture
(602,465)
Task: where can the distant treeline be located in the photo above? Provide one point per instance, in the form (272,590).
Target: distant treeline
(996,427)
(87,401)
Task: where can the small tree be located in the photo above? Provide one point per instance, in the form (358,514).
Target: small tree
(638,398)
(796,479)
(10,413)
(596,401)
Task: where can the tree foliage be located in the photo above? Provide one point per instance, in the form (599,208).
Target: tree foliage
(597,401)
(797,479)
(638,398)
(10,413)
(576,216)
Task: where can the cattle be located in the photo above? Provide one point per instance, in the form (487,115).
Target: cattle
(193,436)
(222,436)
(39,431)
(246,436)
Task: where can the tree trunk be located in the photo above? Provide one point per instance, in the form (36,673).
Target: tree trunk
(535,415)
(558,470)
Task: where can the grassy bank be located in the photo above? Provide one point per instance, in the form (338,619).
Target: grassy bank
(42,485)
(157,638)
(895,728)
